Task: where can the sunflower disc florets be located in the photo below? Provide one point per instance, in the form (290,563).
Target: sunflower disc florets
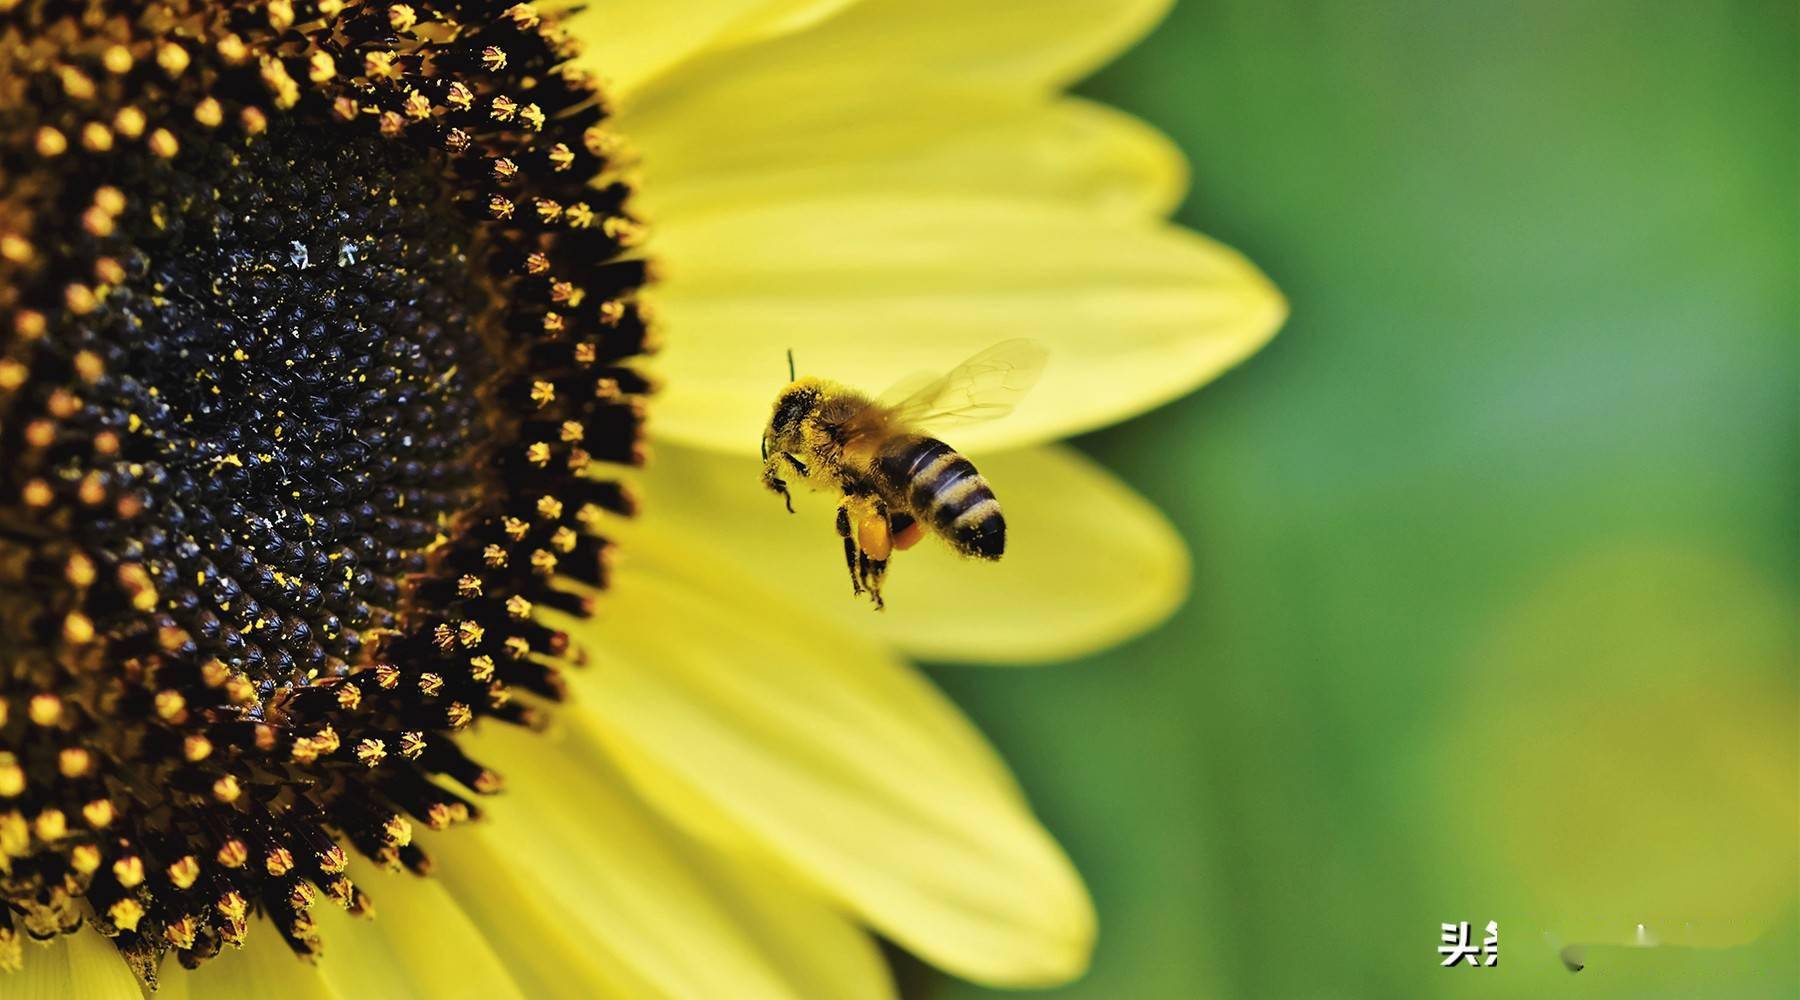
(311,316)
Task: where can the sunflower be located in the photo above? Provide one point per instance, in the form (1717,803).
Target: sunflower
(328,334)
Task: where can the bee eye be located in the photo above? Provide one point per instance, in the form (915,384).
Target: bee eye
(791,410)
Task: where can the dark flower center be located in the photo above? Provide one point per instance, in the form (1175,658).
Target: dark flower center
(311,317)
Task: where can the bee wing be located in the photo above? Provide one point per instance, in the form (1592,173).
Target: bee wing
(985,387)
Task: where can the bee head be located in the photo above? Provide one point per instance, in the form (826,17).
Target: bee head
(791,409)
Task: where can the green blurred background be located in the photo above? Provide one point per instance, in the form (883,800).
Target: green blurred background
(1495,580)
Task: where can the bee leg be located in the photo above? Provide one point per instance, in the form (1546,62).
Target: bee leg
(851,556)
(772,480)
(871,571)
(862,521)
(876,543)
(850,553)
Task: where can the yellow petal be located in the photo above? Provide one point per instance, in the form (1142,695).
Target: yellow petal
(867,290)
(664,921)
(263,969)
(872,47)
(775,18)
(631,42)
(82,964)
(1088,563)
(777,139)
(419,944)
(835,758)
(545,952)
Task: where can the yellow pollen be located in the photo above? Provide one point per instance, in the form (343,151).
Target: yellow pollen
(73,762)
(172,58)
(321,67)
(233,50)
(371,751)
(163,144)
(79,570)
(196,747)
(45,709)
(109,199)
(170,705)
(117,60)
(240,691)
(97,223)
(182,933)
(15,835)
(226,789)
(184,871)
(129,870)
(29,324)
(79,298)
(232,906)
(15,248)
(281,86)
(126,913)
(50,142)
(233,853)
(130,122)
(96,138)
(51,825)
(78,629)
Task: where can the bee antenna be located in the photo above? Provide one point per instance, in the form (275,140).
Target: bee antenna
(790,364)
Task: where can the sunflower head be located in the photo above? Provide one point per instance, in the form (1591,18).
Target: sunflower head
(311,316)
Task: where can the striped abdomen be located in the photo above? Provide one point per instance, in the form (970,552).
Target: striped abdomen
(942,489)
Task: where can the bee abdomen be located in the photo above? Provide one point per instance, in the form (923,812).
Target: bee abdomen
(945,491)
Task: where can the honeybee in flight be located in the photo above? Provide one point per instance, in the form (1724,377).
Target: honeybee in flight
(896,480)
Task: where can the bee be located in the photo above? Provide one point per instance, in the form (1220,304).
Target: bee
(896,481)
